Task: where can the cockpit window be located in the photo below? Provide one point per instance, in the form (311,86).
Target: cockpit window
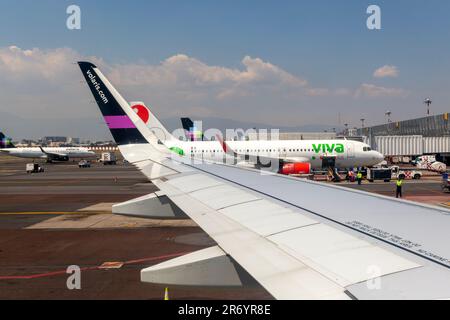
(367,149)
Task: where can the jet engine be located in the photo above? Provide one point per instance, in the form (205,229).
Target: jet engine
(55,157)
(296,168)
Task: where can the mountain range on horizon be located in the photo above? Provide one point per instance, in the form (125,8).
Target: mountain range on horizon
(94,129)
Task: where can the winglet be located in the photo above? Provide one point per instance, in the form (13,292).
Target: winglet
(111,105)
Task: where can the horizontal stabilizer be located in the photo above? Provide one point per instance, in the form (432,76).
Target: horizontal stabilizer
(150,206)
(207,267)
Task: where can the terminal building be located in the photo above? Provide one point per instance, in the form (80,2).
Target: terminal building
(416,137)
(292,136)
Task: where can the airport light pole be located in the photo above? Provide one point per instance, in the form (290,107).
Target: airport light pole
(362,123)
(428,102)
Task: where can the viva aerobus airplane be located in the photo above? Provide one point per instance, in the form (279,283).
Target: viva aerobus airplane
(292,156)
(50,154)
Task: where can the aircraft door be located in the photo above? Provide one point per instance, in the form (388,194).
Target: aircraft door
(328,162)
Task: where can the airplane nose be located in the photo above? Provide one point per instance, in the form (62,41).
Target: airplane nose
(379,156)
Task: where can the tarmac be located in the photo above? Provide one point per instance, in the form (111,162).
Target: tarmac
(62,217)
(427,191)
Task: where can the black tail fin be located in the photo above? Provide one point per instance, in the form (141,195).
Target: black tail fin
(5,142)
(108,99)
(192,134)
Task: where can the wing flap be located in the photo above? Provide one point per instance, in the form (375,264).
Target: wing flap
(194,182)
(341,256)
(223,196)
(266,218)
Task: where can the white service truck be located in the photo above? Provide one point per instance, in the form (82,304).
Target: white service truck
(34,168)
(108,158)
(387,174)
(398,173)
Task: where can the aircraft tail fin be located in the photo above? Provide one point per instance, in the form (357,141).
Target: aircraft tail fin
(112,105)
(187,123)
(151,121)
(192,133)
(5,142)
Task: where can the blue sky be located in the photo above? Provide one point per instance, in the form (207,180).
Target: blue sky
(324,42)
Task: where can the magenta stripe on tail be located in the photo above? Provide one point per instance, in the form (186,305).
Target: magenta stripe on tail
(119,122)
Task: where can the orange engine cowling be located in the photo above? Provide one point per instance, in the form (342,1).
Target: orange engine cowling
(296,168)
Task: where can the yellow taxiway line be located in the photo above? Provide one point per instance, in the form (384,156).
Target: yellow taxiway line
(39,213)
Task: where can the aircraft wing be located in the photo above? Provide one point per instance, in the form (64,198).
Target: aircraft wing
(298,239)
(305,240)
(54,156)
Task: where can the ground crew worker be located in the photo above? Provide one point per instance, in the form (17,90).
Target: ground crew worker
(350,176)
(359,177)
(398,193)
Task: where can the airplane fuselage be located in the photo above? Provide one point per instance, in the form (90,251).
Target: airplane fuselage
(346,153)
(36,153)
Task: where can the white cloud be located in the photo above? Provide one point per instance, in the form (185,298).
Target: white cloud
(46,83)
(45,86)
(386,71)
(373,91)
(182,71)
(46,65)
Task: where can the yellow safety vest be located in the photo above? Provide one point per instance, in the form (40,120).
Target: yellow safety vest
(399,183)
(359,176)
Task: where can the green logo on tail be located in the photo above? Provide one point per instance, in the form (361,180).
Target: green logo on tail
(177,151)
